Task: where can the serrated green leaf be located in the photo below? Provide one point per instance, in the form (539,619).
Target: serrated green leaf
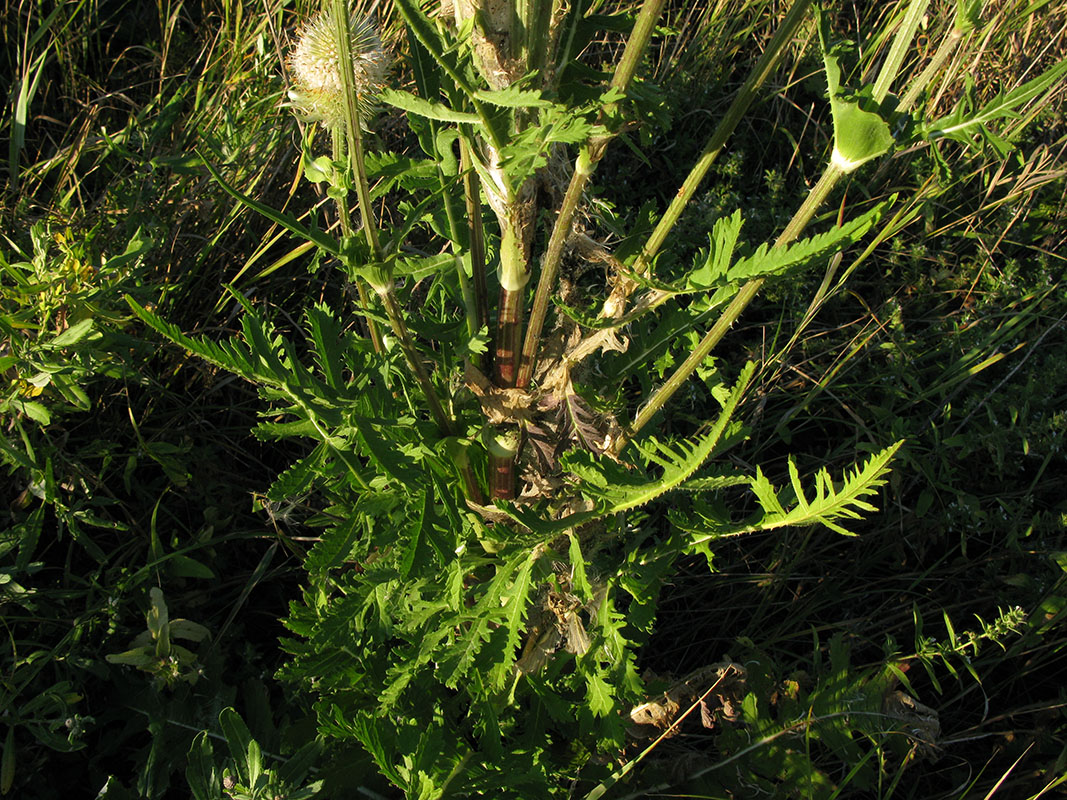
(769,260)
(962,125)
(298,478)
(721,244)
(828,506)
(968,15)
(413,104)
(231,355)
(513,96)
(372,735)
(545,528)
(614,490)
(72,335)
(459,658)
(600,695)
(518,602)
(714,483)
(328,338)
(388,169)
(713,273)
(384,453)
(35,411)
(579,581)
(434,43)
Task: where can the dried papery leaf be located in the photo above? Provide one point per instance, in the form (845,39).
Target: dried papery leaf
(606,339)
(501,406)
(544,447)
(586,428)
(922,723)
(707,716)
(542,640)
(718,688)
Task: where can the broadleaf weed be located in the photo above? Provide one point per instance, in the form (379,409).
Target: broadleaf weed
(514,366)
(525,589)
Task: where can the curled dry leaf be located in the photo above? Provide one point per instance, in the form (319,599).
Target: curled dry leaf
(501,406)
(921,722)
(718,689)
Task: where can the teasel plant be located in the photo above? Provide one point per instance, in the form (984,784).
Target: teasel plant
(487,570)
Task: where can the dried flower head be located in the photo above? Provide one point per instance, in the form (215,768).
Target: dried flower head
(314,64)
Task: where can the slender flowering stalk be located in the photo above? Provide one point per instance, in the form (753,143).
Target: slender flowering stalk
(339,66)
(319,94)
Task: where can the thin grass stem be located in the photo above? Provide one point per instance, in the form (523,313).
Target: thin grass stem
(944,50)
(897,51)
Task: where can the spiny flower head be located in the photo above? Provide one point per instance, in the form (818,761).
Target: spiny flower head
(314,63)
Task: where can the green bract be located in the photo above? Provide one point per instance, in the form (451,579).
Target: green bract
(860,131)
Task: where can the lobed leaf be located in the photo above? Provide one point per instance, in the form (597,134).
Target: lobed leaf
(413,104)
(615,490)
(829,505)
(962,124)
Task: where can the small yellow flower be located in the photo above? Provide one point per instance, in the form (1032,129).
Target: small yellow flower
(314,64)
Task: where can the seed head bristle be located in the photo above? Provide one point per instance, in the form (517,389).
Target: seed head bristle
(314,65)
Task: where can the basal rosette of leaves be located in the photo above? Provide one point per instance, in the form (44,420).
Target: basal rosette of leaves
(493,531)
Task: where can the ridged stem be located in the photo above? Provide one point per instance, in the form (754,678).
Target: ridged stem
(513,278)
(471,196)
(550,266)
(818,194)
(344,214)
(469,306)
(636,45)
(503,447)
(586,162)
